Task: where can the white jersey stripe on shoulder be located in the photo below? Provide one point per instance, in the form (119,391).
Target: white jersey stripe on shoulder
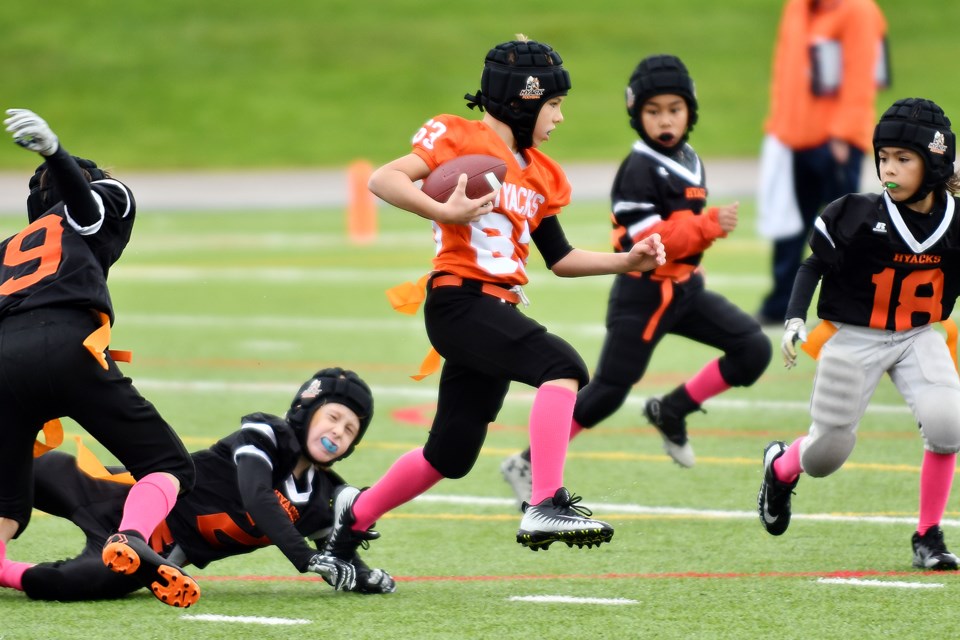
(91,229)
(263,428)
(250,450)
(126,192)
(643,225)
(822,229)
(629,205)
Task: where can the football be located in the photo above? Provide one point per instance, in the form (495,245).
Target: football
(485,174)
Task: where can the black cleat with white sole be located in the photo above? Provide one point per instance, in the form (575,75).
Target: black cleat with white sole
(773,500)
(343,541)
(561,519)
(930,551)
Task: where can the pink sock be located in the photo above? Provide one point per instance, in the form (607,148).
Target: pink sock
(552,408)
(147,504)
(3,550)
(787,467)
(936,478)
(707,383)
(575,429)
(11,574)
(409,476)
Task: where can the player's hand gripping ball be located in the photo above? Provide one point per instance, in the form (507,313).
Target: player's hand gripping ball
(485,174)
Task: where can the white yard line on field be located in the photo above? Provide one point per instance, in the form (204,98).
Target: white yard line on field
(210,617)
(611,509)
(426,391)
(897,584)
(571,600)
(388,277)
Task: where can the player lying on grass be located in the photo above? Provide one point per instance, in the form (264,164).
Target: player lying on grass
(887,267)
(269,483)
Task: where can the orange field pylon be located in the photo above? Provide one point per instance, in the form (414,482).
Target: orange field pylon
(361,204)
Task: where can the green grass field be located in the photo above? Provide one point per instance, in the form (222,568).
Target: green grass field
(227,313)
(247,84)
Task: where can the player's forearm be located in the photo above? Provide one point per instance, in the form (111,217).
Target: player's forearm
(396,188)
(74,188)
(580,262)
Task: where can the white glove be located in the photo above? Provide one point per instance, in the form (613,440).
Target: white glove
(374,581)
(338,574)
(32,132)
(793,329)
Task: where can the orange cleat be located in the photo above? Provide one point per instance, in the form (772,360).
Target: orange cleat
(129,554)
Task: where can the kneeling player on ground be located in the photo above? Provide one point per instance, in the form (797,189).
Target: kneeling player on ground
(275,469)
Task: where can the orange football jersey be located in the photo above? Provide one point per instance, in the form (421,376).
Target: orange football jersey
(495,247)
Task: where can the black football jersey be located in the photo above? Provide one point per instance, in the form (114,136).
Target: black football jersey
(650,187)
(55,263)
(888,267)
(211,522)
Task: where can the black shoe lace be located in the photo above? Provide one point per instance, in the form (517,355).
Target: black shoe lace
(933,541)
(572,504)
(348,541)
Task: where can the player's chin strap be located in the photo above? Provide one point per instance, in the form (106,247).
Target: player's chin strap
(96,343)
(473,101)
(825,330)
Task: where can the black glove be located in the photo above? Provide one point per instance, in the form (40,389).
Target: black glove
(374,581)
(338,574)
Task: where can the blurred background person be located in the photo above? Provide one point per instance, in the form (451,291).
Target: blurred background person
(829,62)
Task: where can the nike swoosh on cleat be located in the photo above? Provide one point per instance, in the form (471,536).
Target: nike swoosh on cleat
(767,517)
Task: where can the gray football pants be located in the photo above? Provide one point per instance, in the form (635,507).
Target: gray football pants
(849,369)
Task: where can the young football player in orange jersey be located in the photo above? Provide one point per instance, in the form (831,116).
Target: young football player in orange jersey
(471,312)
(889,267)
(661,187)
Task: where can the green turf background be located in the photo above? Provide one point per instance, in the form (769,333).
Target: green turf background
(228,312)
(245,83)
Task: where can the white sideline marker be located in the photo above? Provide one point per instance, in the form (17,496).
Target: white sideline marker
(571,600)
(210,617)
(880,583)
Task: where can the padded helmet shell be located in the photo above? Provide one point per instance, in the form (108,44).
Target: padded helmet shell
(919,125)
(658,75)
(518,79)
(331,385)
